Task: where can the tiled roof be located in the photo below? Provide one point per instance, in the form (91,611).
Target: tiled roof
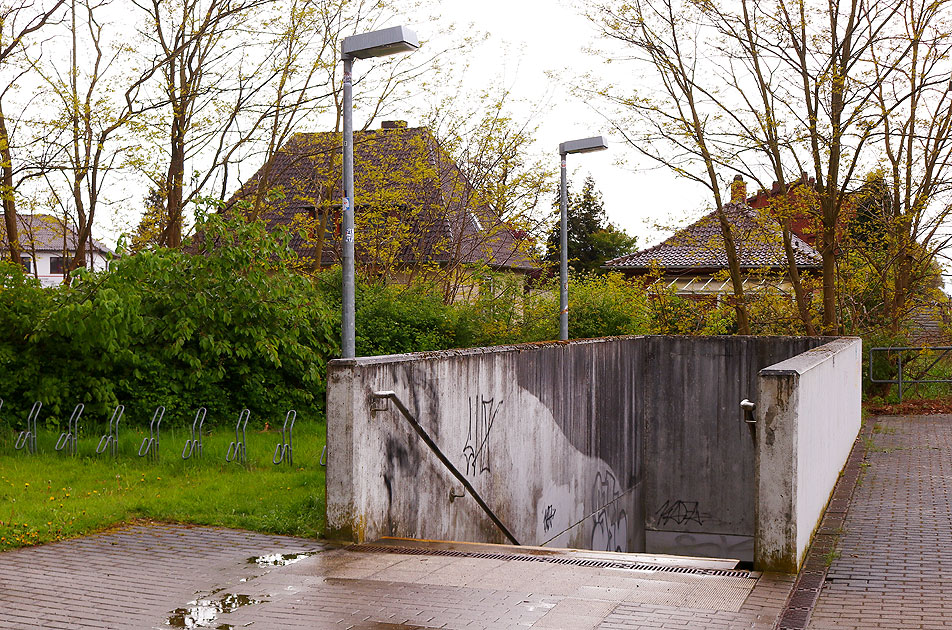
(405,184)
(45,233)
(700,245)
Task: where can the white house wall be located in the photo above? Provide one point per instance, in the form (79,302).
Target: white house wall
(41,266)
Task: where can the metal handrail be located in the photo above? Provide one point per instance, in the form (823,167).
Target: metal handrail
(901,379)
(420,431)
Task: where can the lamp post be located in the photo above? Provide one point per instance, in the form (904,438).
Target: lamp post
(380,43)
(585,145)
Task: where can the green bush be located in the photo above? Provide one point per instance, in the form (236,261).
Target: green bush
(605,306)
(393,319)
(228,326)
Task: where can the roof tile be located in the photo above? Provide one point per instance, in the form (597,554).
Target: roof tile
(45,233)
(701,245)
(405,184)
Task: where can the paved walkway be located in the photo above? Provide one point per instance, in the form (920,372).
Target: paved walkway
(895,554)
(163,576)
(894,551)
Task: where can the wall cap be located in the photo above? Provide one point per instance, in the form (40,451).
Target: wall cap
(806,361)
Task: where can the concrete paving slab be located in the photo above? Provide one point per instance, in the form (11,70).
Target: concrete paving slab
(162,576)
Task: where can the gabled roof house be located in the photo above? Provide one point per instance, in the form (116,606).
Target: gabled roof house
(693,261)
(413,204)
(47,244)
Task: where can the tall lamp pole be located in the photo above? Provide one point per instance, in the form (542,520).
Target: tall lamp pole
(388,41)
(585,145)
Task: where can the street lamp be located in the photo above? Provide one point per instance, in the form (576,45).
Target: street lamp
(380,43)
(585,145)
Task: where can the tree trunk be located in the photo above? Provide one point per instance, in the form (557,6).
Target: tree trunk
(828,253)
(172,235)
(799,295)
(6,191)
(733,264)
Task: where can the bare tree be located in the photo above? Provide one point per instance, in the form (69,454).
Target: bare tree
(207,80)
(679,125)
(18,21)
(800,89)
(911,202)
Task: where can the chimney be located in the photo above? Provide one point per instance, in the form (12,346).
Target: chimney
(738,189)
(393,124)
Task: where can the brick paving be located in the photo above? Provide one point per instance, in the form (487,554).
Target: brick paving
(895,547)
(889,571)
(160,576)
(895,551)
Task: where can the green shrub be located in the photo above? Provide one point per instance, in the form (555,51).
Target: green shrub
(605,306)
(393,319)
(231,325)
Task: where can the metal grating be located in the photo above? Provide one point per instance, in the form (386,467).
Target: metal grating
(575,562)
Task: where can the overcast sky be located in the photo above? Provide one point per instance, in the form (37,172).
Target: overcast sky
(550,36)
(528,41)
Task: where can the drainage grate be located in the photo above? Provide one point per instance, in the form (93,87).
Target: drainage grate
(575,562)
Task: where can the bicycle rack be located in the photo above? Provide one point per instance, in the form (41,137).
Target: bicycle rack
(69,438)
(27,438)
(236,450)
(194,444)
(150,445)
(284,452)
(110,441)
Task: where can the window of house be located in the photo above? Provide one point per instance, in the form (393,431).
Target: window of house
(57,265)
(27,263)
(313,221)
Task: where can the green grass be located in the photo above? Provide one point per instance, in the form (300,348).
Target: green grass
(51,496)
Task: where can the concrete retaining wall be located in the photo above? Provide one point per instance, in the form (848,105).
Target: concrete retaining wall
(545,433)
(622,444)
(808,417)
(699,464)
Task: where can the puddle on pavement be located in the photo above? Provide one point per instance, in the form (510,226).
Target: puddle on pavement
(201,613)
(280,559)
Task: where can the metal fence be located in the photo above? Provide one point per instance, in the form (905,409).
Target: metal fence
(913,364)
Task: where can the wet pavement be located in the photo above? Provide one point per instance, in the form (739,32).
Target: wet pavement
(171,576)
(889,569)
(893,564)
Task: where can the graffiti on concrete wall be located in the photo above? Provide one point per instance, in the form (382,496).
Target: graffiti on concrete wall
(547,517)
(679,512)
(482,416)
(610,523)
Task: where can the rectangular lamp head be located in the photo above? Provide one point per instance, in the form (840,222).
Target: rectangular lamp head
(585,145)
(380,43)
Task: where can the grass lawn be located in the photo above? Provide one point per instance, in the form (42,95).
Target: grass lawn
(52,496)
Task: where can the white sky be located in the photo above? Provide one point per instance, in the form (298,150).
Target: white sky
(551,36)
(526,40)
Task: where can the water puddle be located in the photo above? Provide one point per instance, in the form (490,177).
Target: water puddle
(279,559)
(201,613)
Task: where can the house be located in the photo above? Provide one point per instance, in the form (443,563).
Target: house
(415,210)
(693,261)
(47,244)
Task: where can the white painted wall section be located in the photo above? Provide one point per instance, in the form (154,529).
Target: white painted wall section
(808,418)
